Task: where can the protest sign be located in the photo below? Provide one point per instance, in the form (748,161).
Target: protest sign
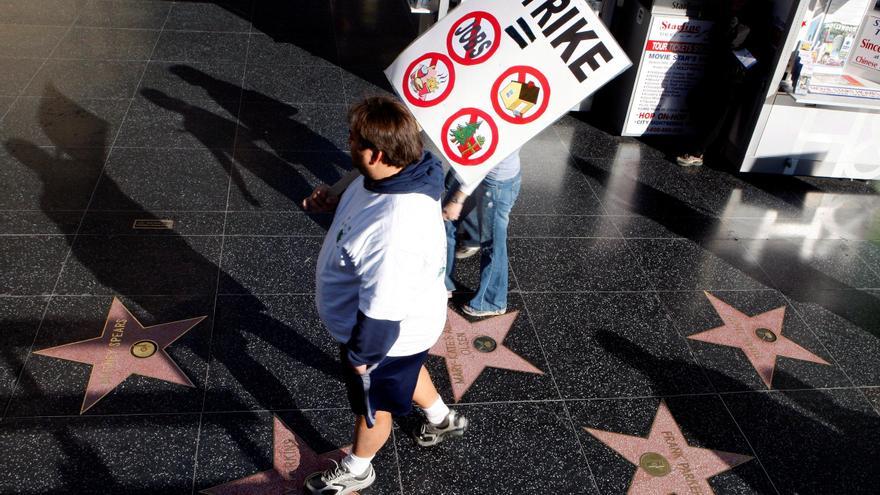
(494,73)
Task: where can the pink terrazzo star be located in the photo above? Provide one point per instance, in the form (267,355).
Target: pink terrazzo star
(292,462)
(666,464)
(759,337)
(471,347)
(125,348)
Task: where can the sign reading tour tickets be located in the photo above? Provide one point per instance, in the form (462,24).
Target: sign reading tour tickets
(494,73)
(672,64)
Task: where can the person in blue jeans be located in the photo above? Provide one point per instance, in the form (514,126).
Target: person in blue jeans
(495,198)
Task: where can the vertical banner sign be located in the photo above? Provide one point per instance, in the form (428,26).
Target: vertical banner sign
(672,63)
(494,73)
(864,59)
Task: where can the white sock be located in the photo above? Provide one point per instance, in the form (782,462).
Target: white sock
(356,465)
(437,412)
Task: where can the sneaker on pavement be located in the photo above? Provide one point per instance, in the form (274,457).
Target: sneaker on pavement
(338,481)
(482,313)
(690,160)
(453,425)
(466,252)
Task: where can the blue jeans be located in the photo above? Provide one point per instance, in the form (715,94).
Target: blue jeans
(491,214)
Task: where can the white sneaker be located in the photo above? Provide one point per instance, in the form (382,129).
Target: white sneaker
(479,313)
(338,481)
(466,252)
(453,425)
(690,160)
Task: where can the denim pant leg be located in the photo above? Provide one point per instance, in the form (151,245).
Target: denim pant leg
(494,205)
(451,228)
(469,225)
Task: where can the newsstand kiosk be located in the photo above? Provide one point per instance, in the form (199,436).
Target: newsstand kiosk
(815,111)
(821,113)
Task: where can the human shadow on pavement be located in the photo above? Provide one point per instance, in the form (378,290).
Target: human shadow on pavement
(54,167)
(204,126)
(273,122)
(276,163)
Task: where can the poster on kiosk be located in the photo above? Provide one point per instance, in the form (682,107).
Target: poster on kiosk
(864,59)
(673,61)
(494,73)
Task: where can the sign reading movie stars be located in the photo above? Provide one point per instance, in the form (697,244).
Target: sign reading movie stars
(494,73)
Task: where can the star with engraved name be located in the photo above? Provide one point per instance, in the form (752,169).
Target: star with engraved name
(125,348)
(665,463)
(469,348)
(292,462)
(759,337)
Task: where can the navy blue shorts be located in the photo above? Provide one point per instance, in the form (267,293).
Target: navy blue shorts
(387,387)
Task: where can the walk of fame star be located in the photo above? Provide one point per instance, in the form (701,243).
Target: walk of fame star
(665,463)
(125,348)
(292,461)
(471,347)
(759,337)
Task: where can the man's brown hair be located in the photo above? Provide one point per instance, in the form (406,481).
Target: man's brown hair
(385,124)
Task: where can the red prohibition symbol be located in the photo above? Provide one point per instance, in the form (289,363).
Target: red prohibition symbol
(520,95)
(469,137)
(428,80)
(473,38)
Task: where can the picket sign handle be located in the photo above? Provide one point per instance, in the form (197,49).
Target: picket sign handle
(443,9)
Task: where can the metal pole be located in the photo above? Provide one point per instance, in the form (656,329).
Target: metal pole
(443,10)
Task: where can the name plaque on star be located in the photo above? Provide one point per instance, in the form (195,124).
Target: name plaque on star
(124,348)
(143,349)
(485,344)
(492,74)
(655,464)
(765,334)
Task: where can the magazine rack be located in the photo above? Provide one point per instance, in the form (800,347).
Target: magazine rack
(826,126)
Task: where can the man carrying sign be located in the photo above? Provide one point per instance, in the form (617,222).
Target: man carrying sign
(380,289)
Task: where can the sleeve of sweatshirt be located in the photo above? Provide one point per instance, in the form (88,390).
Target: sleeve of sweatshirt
(371,339)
